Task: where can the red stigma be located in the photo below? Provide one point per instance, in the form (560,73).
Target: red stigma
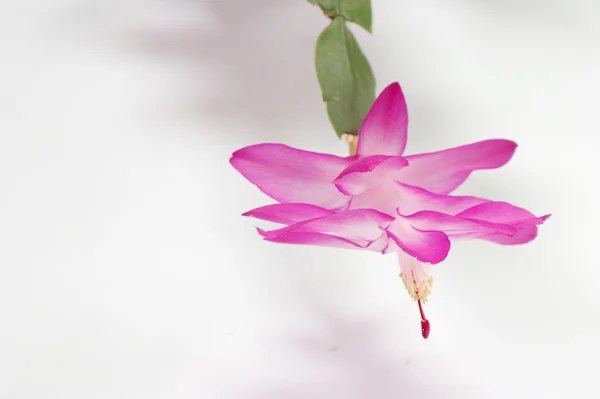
(425,327)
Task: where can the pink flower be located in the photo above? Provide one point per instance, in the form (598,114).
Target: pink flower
(381,201)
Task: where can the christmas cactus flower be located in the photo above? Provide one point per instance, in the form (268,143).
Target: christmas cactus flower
(380,200)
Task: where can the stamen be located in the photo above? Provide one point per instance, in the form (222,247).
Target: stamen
(417,279)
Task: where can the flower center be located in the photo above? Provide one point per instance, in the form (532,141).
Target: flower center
(418,285)
(417,279)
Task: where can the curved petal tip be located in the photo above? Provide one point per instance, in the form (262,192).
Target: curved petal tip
(384,129)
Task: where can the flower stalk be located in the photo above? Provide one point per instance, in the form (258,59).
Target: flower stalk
(352,140)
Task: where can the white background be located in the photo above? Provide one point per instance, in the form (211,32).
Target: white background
(126,270)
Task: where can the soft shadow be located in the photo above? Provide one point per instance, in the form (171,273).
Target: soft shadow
(248,65)
(260,56)
(357,361)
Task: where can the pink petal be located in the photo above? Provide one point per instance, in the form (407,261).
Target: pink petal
(383,197)
(288,213)
(368,172)
(523,236)
(413,199)
(310,238)
(385,127)
(389,196)
(360,226)
(426,246)
(501,212)
(456,227)
(380,245)
(290,175)
(443,171)
(366,164)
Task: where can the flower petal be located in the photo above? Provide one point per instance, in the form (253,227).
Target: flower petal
(385,127)
(524,235)
(288,213)
(456,227)
(360,226)
(290,175)
(521,219)
(390,196)
(310,238)
(501,212)
(368,172)
(426,246)
(443,171)
(413,199)
(381,197)
(381,244)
